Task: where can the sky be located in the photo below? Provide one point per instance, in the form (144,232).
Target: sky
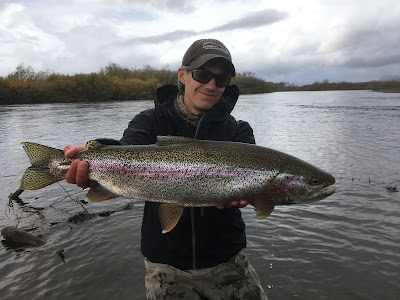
(290,41)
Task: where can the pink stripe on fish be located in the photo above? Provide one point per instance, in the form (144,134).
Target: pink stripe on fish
(169,171)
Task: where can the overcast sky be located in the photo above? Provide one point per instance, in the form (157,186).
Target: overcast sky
(287,40)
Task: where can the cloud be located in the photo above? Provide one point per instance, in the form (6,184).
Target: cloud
(283,40)
(358,44)
(172,6)
(252,20)
(165,37)
(372,62)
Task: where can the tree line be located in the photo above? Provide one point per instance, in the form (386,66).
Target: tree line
(115,82)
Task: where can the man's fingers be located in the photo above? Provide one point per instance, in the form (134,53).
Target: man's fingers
(78,173)
(82,178)
(243,203)
(236,203)
(70,177)
(70,151)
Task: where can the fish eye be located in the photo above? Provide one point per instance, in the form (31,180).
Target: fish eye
(314,181)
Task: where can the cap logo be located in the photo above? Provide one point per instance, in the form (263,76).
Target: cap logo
(214,46)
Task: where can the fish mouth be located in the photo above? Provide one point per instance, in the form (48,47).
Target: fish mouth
(320,194)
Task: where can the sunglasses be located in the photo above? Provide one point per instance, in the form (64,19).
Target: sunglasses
(204,76)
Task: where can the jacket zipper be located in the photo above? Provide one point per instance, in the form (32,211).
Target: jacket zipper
(193,237)
(192,211)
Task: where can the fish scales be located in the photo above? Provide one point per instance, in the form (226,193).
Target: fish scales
(157,180)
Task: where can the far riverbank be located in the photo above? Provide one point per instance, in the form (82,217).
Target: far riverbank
(395,90)
(116,83)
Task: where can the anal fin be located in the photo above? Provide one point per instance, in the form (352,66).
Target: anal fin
(169,214)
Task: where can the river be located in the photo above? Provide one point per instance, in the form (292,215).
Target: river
(344,247)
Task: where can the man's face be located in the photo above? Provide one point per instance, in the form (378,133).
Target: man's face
(200,97)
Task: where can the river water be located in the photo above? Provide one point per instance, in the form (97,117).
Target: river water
(344,247)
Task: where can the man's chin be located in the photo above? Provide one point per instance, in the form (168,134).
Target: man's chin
(205,107)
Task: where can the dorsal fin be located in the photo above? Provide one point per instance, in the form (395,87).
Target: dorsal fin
(93,145)
(166,140)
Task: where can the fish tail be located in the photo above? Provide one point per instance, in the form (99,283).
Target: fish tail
(39,174)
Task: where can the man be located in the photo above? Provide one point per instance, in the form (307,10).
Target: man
(201,257)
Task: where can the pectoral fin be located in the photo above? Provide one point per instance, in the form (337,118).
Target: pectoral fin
(98,193)
(169,214)
(263,207)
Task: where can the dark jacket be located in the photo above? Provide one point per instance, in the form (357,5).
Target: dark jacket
(203,237)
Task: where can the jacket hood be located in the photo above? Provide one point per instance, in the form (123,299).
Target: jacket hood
(166,95)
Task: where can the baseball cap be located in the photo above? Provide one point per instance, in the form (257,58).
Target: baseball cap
(201,51)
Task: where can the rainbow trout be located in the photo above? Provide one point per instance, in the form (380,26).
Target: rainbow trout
(181,172)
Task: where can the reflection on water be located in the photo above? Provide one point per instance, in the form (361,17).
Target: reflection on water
(344,247)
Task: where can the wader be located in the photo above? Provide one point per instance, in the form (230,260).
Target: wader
(235,279)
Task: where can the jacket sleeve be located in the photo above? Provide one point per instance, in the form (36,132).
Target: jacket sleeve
(244,133)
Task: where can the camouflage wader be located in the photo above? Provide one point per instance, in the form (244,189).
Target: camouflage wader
(235,279)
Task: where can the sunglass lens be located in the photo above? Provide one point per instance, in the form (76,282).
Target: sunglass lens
(202,76)
(222,80)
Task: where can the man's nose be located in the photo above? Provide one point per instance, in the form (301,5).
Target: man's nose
(211,85)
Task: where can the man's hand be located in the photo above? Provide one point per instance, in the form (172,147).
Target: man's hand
(236,203)
(78,170)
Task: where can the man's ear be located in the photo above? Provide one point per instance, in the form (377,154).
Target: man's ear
(182,75)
